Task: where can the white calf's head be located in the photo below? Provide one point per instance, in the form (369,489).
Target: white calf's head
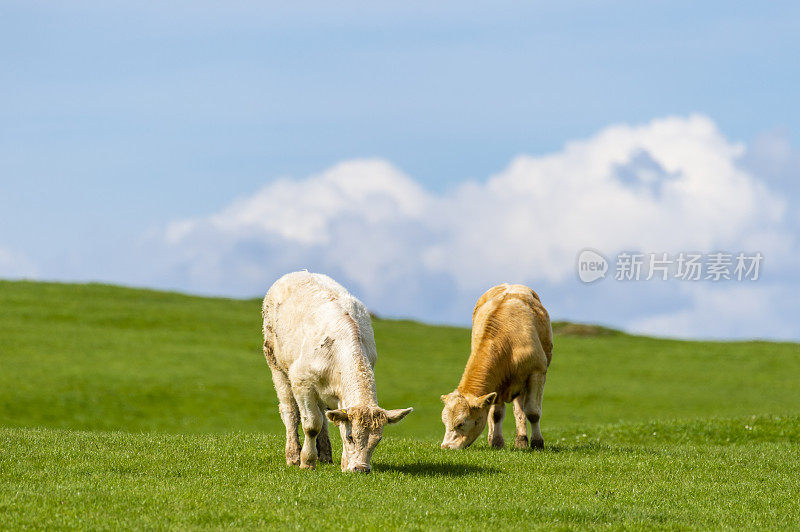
(363,429)
(464,418)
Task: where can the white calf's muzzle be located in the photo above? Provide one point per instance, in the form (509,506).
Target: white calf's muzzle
(360,468)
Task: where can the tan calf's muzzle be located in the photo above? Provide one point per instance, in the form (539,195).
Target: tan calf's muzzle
(454,442)
(362,469)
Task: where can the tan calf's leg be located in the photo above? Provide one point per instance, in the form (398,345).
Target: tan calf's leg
(533,408)
(290,415)
(496,414)
(521,441)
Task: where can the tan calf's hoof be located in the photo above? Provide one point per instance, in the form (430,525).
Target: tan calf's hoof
(537,444)
(308,466)
(521,442)
(292,461)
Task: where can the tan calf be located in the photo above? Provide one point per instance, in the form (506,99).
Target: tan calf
(512,345)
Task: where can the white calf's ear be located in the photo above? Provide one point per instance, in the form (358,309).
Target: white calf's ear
(393,416)
(336,416)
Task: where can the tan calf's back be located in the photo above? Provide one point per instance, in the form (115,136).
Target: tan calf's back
(511,339)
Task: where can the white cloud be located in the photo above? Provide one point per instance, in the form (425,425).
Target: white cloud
(670,185)
(673,184)
(15,265)
(726,311)
(303,211)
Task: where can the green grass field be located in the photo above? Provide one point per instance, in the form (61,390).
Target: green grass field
(130,408)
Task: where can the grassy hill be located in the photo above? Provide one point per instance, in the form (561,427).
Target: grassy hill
(123,407)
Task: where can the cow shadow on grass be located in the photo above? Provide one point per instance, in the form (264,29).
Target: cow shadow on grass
(591,448)
(437,469)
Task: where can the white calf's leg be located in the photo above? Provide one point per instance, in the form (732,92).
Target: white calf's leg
(290,415)
(324,449)
(521,441)
(533,408)
(311,419)
(496,414)
(343,432)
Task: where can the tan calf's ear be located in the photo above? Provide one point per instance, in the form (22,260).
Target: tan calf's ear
(393,416)
(444,398)
(336,416)
(484,400)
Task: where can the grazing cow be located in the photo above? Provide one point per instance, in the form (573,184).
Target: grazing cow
(319,345)
(512,345)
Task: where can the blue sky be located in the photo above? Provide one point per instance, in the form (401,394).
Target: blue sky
(119,120)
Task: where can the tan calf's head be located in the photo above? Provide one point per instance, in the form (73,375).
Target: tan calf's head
(464,418)
(363,429)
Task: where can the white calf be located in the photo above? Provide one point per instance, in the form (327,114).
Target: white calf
(319,345)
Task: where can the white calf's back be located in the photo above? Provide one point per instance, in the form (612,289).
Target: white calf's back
(318,330)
